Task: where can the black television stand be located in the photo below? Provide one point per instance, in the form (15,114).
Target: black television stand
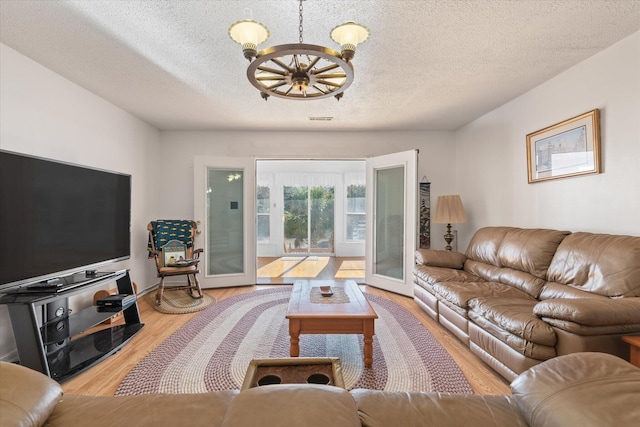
(58,346)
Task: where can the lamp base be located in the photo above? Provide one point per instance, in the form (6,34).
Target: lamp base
(448,237)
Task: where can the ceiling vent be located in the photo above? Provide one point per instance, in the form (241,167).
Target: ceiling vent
(321,119)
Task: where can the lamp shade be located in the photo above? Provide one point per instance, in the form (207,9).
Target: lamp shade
(449,210)
(248,32)
(349,33)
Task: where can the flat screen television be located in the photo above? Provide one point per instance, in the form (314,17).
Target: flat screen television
(58,218)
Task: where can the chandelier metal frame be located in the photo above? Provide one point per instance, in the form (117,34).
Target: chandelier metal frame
(300,71)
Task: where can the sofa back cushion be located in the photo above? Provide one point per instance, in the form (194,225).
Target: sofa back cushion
(530,250)
(514,256)
(485,243)
(603,264)
(293,405)
(414,409)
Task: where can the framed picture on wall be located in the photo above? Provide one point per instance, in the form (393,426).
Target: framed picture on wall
(569,148)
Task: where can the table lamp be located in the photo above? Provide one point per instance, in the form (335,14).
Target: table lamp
(449,210)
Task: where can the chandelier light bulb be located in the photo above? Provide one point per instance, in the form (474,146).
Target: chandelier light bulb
(348,36)
(249,34)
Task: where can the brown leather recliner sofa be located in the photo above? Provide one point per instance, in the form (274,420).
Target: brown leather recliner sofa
(518,297)
(582,389)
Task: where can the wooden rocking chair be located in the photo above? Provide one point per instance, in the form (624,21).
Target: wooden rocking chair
(171,246)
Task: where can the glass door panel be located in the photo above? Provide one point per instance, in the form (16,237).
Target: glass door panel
(296,219)
(356,213)
(321,214)
(263,211)
(389,228)
(225,211)
(308,219)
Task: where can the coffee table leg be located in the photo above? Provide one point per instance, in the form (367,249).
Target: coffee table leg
(294,334)
(368,343)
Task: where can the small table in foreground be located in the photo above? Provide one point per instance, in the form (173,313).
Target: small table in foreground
(354,316)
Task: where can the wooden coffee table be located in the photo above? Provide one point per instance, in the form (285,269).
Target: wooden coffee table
(355,316)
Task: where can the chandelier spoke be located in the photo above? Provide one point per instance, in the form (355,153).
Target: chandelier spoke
(276,85)
(313,63)
(272,70)
(327,68)
(282,65)
(296,60)
(263,78)
(331,76)
(289,90)
(326,83)
(320,90)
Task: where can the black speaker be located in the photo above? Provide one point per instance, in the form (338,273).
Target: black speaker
(56,309)
(56,330)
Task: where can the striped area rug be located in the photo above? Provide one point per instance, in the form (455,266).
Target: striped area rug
(213,350)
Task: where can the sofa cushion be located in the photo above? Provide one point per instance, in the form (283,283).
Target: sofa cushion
(558,290)
(384,409)
(149,410)
(459,293)
(530,250)
(528,349)
(514,315)
(27,397)
(487,272)
(430,275)
(293,405)
(600,263)
(580,389)
(485,243)
(605,314)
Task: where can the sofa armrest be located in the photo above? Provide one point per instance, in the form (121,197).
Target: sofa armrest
(439,258)
(591,311)
(27,397)
(579,389)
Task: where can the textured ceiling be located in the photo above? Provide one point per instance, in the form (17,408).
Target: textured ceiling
(428,65)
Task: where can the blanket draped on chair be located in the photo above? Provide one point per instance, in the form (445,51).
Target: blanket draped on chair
(169,229)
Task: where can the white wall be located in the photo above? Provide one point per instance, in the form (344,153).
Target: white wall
(45,115)
(491,162)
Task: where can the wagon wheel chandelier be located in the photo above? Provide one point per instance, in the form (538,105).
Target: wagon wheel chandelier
(299,71)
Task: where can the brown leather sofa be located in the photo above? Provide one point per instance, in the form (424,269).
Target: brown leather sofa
(582,389)
(518,297)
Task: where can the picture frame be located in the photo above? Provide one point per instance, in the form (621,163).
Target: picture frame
(568,148)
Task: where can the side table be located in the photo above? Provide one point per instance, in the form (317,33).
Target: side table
(294,370)
(634,346)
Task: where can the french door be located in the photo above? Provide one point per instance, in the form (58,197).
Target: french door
(391,221)
(224,206)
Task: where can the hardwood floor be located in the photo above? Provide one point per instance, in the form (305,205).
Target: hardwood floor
(104,378)
(286,270)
